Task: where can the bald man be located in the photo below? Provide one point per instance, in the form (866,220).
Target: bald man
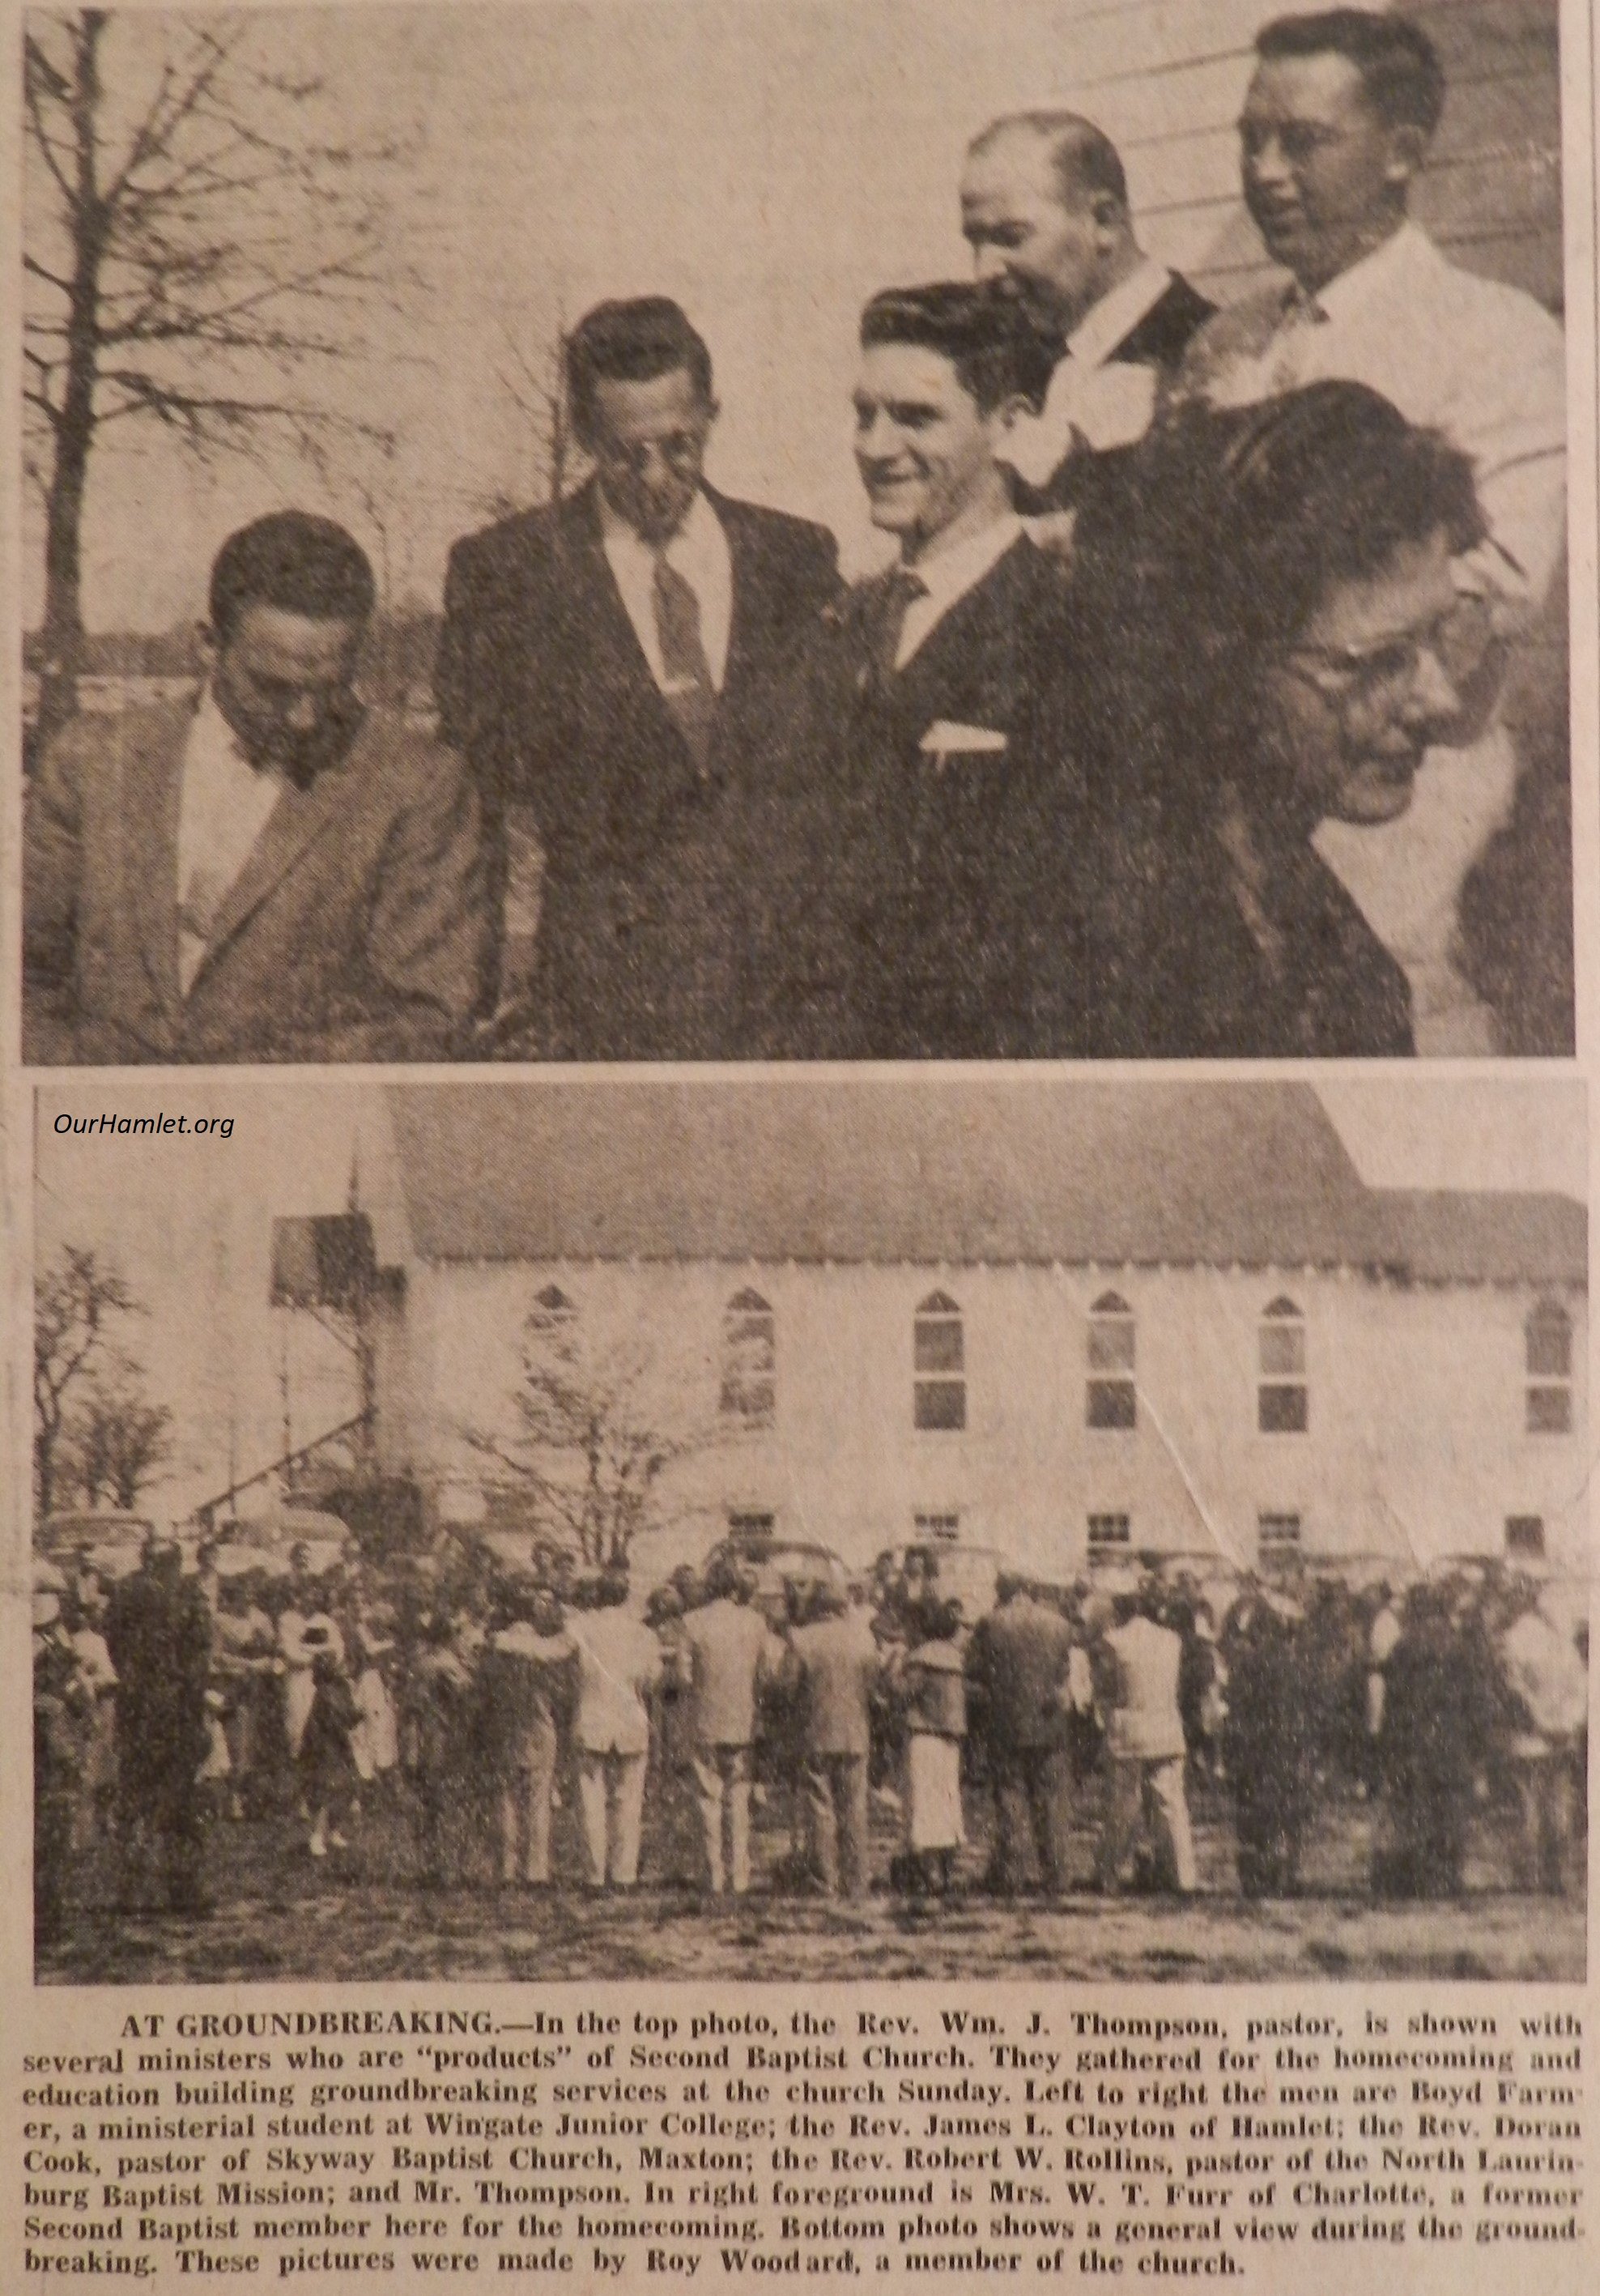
(1044,204)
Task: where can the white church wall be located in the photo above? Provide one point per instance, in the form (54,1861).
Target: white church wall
(1415,1443)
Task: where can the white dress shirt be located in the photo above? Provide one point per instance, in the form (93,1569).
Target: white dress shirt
(698,551)
(225,804)
(1094,399)
(1486,365)
(947,575)
(1480,362)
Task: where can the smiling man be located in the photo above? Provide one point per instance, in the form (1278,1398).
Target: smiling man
(913,770)
(1334,131)
(276,873)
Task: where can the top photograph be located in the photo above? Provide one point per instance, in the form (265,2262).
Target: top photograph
(809,532)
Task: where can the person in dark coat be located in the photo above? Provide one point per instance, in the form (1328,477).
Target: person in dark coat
(1265,1741)
(596,654)
(1045,207)
(326,1761)
(440,1745)
(912,857)
(1438,1720)
(1264,619)
(159,1633)
(1018,1662)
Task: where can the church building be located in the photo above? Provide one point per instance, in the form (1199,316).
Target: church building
(1057,1319)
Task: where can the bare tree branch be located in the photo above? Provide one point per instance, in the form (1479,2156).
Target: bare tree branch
(169,261)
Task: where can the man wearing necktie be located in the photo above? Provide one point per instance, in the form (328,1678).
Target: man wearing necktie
(913,841)
(1335,128)
(594,653)
(273,873)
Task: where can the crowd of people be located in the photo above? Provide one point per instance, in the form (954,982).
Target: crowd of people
(1179,725)
(467,1698)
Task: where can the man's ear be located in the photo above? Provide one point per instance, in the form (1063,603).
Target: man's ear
(1408,150)
(1002,417)
(208,646)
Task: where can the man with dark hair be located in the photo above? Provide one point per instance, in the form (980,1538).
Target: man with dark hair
(159,1635)
(1044,206)
(275,873)
(1334,131)
(1019,1663)
(592,655)
(912,776)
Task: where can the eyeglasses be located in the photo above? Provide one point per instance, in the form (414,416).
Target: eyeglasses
(1380,665)
(680,450)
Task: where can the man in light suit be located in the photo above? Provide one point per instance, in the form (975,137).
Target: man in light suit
(835,1664)
(911,856)
(1144,1744)
(1043,205)
(727,1650)
(592,655)
(277,874)
(1549,1693)
(619,1662)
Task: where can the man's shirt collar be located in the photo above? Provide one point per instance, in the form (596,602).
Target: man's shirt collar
(1109,322)
(947,576)
(1375,273)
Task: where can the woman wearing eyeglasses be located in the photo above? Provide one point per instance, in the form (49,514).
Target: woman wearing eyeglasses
(1272,610)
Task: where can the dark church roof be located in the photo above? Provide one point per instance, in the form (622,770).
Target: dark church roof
(924,1167)
(1443,1236)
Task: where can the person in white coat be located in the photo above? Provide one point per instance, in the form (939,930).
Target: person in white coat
(619,1662)
(1144,1747)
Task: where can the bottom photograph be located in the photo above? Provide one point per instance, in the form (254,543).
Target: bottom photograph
(801,1526)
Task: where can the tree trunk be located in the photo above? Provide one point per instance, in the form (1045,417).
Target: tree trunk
(62,632)
(43,1466)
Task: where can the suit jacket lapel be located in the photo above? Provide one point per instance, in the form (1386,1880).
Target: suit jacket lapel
(616,642)
(597,596)
(299,817)
(753,611)
(970,650)
(155,786)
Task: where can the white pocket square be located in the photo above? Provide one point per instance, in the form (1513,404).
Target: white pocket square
(945,739)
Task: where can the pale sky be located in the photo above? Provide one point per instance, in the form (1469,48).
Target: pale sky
(769,162)
(188,1221)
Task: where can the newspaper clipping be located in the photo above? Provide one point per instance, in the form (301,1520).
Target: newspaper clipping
(797,1007)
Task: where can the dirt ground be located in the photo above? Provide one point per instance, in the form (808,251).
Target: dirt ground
(362,1915)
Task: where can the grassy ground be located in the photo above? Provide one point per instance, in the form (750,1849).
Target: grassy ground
(362,1915)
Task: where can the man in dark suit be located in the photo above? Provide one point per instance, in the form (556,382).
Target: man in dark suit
(273,873)
(1043,205)
(910,856)
(159,1633)
(593,653)
(1017,1662)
